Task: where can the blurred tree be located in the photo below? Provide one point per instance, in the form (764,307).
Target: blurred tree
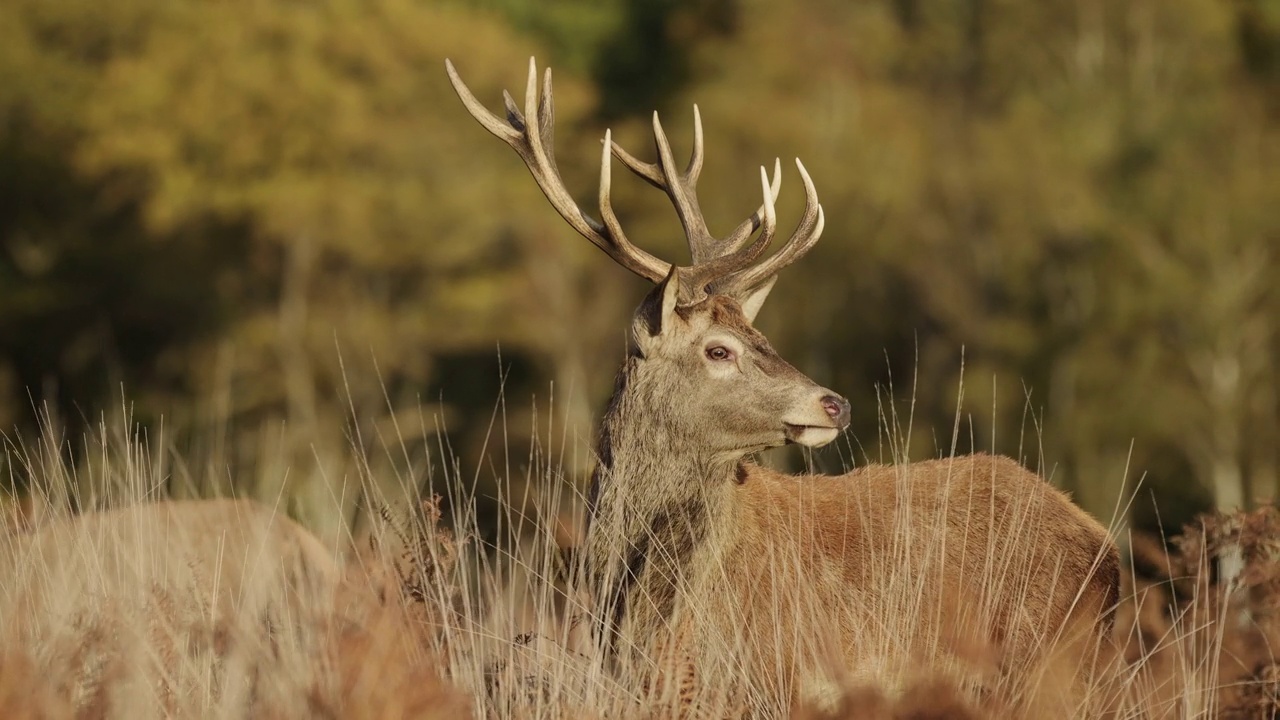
(86,300)
(206,232)
(639,52)
(370,221)
(648,58)
(572,31)
(1073,195)
(995,160)
(1258,28)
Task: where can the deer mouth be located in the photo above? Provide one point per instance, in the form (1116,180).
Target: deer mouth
(810,435)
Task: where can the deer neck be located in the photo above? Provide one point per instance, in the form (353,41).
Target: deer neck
(659,507)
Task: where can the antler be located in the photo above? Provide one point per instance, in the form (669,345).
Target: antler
(713,258)
(533,142)
(806,235)
(682,188)
(719,264)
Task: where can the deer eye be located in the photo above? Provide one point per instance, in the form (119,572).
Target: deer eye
(719,353)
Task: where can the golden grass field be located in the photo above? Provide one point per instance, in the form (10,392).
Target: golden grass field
(218,610)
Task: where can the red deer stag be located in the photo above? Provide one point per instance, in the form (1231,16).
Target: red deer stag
(695,553)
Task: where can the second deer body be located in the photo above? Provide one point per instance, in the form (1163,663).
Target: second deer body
(709,571)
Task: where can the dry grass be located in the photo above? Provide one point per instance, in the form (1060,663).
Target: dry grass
(426,622)
(1195,645)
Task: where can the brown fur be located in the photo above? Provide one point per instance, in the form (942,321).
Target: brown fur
(223,546)
(876,574)
(153,595)
(894,559)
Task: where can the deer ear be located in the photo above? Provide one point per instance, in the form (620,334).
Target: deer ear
(656,313)
(753,299)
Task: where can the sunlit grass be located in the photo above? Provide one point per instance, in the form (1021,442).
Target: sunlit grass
(414,613)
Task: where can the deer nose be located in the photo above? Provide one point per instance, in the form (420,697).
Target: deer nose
(837,409)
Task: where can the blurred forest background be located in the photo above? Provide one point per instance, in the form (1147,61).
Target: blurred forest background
(272,230)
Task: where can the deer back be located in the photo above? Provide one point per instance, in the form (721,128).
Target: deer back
(155,608)
(220,549)
(968,566)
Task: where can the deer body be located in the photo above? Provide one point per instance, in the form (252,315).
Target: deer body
(750,578)
(227,551)
(774,577)
(154,609)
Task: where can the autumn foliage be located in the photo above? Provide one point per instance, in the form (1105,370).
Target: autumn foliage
(266,237)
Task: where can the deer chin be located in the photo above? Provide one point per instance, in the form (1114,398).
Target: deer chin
(810,435)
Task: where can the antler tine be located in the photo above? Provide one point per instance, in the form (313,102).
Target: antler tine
(806,235)
(740,234)
(682,189)
(606,182)
(533,111)
(507,134)
(531,135)
(695,158)
(514,116)
(706,276)
(547,117)
(702,245)
(647,171)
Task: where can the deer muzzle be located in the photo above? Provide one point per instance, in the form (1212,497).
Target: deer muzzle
(818,420)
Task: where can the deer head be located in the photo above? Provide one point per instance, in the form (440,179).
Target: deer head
(718,382)
(709,375)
